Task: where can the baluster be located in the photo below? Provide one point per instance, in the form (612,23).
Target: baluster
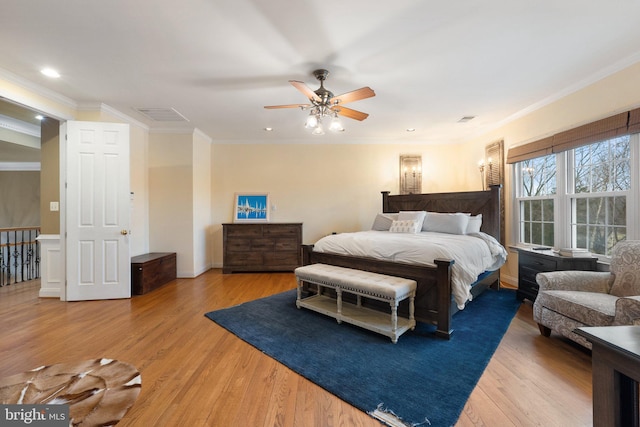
(19,255)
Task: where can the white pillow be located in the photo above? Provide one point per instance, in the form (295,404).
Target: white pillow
(405,226)
(383,221)
(475,222)
(412,215)
(452,223)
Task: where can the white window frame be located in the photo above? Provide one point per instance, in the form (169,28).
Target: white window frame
(564,195)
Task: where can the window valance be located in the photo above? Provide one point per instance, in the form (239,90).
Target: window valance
(620,124)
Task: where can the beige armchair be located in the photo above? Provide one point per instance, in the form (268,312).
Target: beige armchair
(572,299)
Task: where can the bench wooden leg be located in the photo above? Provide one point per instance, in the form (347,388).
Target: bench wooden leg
(339,302)
(412,310)
(299,297)
(394,320)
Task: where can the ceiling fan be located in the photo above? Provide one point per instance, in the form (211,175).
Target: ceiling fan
(324,104)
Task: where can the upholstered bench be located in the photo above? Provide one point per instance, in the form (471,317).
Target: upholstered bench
(381,287)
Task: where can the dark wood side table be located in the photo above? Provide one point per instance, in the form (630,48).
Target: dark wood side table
(615,359)
(532,262)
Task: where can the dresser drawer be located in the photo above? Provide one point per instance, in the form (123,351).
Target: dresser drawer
(287,244)
(245,230)
(280,230)
(263,244)
(242,259)
(529,274)
(539,264)
(273,259)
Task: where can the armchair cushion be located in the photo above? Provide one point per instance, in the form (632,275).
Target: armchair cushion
(586,281)
(590,308)
(625,266)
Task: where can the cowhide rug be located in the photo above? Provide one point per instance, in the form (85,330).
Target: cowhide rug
(99,392)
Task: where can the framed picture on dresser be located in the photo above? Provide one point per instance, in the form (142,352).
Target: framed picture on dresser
(251,207)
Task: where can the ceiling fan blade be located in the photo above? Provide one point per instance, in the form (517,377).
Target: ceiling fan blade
(354,95)
(287,106)
(350,113)
(306,90)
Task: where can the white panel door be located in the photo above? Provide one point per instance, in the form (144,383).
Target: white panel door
(97,211)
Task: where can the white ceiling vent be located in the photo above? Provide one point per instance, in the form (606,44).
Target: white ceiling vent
(162,114)
(466,119)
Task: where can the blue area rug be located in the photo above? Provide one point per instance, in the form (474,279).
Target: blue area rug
(421,380)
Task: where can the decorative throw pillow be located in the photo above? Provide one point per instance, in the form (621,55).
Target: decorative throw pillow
(383,221)
(452,223)
(475,222)
(412,215)
(405,226)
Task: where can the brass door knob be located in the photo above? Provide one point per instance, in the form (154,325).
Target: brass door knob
(124,232)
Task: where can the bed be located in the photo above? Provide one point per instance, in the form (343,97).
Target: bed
(434,302)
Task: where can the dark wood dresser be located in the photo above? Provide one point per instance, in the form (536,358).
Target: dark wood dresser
(150,271)
(532,262)
(261,247)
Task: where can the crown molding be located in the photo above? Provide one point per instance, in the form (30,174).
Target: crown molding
(37,90)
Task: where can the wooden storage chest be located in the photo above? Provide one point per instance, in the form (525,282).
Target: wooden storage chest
(150,271)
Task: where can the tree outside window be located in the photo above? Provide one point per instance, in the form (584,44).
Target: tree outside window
(601,177)
(538,187)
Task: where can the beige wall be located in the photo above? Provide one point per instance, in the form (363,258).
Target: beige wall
(327,187)
(616,93)
(171,197)
(180,199)
(202,247)
(20,195)
(49,175)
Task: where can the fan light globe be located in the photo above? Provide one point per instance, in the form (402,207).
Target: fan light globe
(312,121)
(318,130)
(336,125)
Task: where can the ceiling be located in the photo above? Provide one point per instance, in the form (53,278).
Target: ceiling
(218,62)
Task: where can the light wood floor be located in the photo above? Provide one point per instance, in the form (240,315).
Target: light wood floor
(194,373)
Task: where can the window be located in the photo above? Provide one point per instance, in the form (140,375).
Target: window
(601,183)
(580,197)
(536,200)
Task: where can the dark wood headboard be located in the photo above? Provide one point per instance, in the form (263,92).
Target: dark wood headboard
(486,203)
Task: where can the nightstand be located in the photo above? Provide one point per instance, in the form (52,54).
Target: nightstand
(532,262)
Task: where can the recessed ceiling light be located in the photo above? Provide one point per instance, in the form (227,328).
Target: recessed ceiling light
(50,72)
(268,129)
(411,129)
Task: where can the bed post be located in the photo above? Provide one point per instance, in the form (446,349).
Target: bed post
(496,213)
(306,254)
(443,274)
(385,201)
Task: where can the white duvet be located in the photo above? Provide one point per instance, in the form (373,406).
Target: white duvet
(472,253)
